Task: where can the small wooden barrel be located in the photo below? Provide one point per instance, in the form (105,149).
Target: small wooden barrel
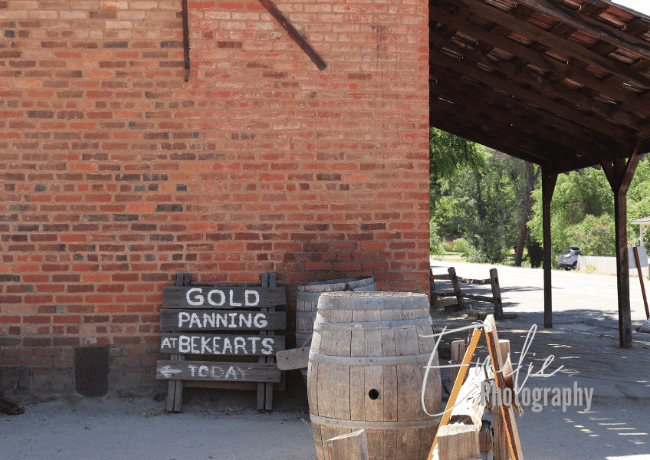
(366,371)
(307,300)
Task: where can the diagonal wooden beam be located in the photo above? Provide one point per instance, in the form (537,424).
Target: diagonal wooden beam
(528,54)
(571,48)
(586,24)
(293,33)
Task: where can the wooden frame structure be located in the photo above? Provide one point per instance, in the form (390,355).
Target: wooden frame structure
(561,83)
(493,281)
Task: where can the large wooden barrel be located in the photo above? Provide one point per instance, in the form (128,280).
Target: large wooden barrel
(366,371)
(308,294)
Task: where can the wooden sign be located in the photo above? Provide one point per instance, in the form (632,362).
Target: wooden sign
(218,372)
(222,297)
(218,320)
(221,344)
(230,320)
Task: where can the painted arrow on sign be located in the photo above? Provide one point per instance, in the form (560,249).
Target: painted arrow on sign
(169,372)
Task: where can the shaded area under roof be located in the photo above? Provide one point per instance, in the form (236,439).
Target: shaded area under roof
(561,83)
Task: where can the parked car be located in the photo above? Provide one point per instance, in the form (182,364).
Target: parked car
(569,259)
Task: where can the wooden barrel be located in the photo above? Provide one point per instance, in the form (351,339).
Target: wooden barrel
(366,371)
(307,300)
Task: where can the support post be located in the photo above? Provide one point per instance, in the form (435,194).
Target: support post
(549,179)
(457,355)
(456,285)
(619,173)
(496,294)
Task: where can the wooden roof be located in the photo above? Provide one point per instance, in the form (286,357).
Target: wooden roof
(562,83)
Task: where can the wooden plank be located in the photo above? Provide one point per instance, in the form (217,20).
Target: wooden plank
(598,29)
(217,320)
(409,383)
(221,344)
(358,373)
(374,378)
(216,371)
(389,347)
(293,33)
(458,442)
(501,451)
(507,411)
(352,446)
(638,267)
(223,297)
(476,335)
(457,354)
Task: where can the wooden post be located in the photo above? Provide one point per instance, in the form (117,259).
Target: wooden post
(496,294)
(457,355)
(549,180)
(638,267)
(619,173)
(458,442)
(352,446)
(175,387)
(456,284)
(500,436)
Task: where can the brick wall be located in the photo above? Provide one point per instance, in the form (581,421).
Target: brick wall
(115,173)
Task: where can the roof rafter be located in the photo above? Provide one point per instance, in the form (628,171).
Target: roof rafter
(579,142)
(574,50)
(544,62)
(586,24)
(539,100)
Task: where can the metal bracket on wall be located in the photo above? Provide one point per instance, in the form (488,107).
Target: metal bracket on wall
(186,40)
(277,14)
(293,33)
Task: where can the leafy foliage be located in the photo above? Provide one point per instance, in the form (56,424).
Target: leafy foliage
(449,154)
(594,235)
(576,195)
(483,205)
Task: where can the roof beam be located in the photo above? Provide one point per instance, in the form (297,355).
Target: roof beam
(588,25)
(573,49)
(447,89)
(446,116)
(436,57)
(630,101)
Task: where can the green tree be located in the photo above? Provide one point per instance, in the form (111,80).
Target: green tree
(594,235)
(483,206)
(576,194)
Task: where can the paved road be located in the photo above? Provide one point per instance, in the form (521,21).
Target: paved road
(578,298)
